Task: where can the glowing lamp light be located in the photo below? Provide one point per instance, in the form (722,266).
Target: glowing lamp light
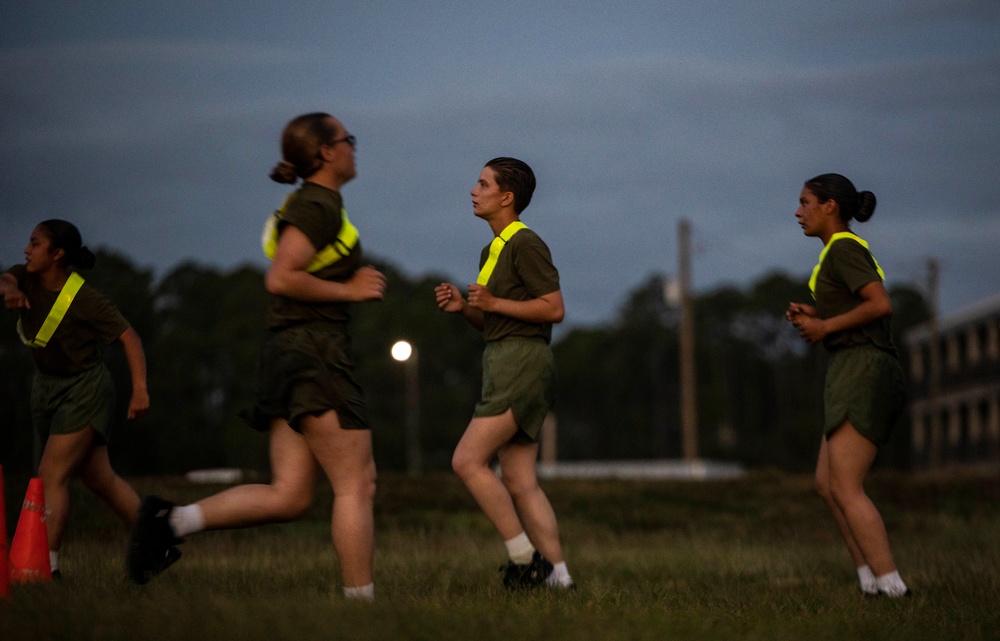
(401,351)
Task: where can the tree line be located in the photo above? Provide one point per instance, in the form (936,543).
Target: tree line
(759,387)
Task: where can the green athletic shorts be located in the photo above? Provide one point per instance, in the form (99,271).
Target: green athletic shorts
(67,404)
(864,385)
(305,371)
(518,374)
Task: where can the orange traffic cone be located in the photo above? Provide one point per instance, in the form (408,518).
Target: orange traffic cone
(4,572)
(29,551)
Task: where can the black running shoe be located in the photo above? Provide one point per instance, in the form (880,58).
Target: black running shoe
(152,546)
(529,575)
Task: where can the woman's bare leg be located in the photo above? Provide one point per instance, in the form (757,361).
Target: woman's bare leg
(482,440)
(346,457)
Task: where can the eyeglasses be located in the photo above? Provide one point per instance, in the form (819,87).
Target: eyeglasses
(349,139)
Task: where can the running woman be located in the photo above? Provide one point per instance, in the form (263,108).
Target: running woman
(65,322)
(514,302)
(307,400)
(863,394)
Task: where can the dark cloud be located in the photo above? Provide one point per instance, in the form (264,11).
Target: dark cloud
(157,139)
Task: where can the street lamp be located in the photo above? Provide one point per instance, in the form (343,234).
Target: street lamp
(406,353)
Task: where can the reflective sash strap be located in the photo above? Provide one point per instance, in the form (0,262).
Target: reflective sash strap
(346,239)
(56,314)
(495,248)
(269,237)
(822,255)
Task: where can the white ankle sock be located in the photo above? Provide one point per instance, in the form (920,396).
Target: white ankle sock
(520,549)
(362,593)
(867,580)
(891,585)
(53,560)
(186,519)
(560,577)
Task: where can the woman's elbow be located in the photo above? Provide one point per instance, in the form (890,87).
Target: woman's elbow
(884,306)
(130,338)
(557,310)
(274,283)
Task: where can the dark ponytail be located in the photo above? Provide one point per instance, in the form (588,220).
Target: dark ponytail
(853,204)
(65,236)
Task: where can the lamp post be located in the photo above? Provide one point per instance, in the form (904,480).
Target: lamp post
(406,353)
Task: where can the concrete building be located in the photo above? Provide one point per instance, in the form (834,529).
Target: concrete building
(954,373)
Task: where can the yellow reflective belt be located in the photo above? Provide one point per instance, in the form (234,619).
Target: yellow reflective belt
(495,248)
(56,314)
(346,239)
(826,248)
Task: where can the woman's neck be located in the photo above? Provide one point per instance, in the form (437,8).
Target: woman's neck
(53,278)
(828,234)
(325,177)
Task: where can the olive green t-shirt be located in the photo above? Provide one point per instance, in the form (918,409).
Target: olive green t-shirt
(315,211)
(524,271)
(90,322)
(846,269)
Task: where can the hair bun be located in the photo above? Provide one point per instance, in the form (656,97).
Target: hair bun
(284,172)
(866,206)
(85,259)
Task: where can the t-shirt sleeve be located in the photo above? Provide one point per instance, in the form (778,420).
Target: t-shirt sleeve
(533,263)
(853,264)
(106,322)
(312,219)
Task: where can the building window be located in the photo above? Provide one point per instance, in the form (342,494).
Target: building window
(992,342)
(917,363)
(973,345)
(952,351)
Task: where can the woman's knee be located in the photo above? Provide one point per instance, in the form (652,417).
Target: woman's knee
(462,464)
(821,485)
(519,486)
(367,485)
(54,473)
(293,506)
(361,482)
(845,492)
(457,464)
(98,481)
(358,483)
(287,499)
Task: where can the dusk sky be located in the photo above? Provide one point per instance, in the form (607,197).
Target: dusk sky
(153,127)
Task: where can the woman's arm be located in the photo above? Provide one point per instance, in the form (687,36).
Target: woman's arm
(450,300)
(13,297)
(287,275)
(875,304)
(135,356)
(544,309)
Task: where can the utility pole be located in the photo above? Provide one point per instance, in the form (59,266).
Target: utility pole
(689,391)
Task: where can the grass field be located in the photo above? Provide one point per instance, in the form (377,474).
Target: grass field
(755,558)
